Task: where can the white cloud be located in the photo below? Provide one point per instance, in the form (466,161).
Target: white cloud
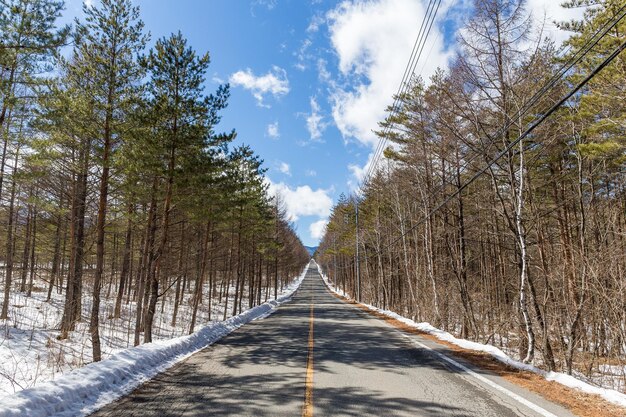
(273,131)
(314,121)
(303,55)
(310,173)
(322,71)
(88,3)
(275,82)
(315,23)
(551,11)
(303,200)
(373,41)
(285,168)
(359,172)
(268,4)
(318,229)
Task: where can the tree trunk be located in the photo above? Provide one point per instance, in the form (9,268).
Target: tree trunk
(73,296)
(156,267)
(57,253)
(125,262)
(148,242)
(200,282)
(33,265)
(9,259)
(27,242)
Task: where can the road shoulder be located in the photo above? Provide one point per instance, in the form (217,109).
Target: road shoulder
(540,390)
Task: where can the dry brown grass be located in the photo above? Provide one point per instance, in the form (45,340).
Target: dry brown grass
(578,402)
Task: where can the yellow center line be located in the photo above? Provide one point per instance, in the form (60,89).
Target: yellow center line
(307,408)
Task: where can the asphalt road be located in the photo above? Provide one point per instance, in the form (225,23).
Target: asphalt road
(360,366)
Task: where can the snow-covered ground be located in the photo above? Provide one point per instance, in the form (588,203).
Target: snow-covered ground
(41,376)
(567,380)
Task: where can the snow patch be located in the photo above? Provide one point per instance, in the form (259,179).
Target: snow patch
(87,389)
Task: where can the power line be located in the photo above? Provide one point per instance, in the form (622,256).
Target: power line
(416,53)
(508,148)
(565,67)
(410,68)
(404,86)
(407,71)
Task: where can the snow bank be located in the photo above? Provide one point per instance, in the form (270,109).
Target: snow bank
(612,396)
(90,387)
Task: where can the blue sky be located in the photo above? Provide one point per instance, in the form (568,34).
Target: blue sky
(309,79)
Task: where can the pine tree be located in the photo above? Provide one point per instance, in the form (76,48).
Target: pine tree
(106,51)
(594,128)
(601,109)
(28,39)
(182,128)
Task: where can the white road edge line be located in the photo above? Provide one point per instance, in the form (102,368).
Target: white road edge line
(541,411)
(487,381)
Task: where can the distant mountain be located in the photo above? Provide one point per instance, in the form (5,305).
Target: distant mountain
(311,249)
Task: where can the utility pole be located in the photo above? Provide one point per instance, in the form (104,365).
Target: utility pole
(356,259)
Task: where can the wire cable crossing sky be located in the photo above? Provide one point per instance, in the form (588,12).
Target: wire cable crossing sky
(311,80)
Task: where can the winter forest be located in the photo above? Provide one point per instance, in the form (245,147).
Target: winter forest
(524,246)
(126,216)
(494,207)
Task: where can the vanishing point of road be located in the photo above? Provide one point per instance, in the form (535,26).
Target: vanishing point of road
(317,355)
